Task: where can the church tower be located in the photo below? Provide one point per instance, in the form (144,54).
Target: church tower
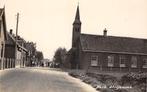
(76,28)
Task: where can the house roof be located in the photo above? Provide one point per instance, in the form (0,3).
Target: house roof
(100,43)
(11,41)
(2,17)
(1,11)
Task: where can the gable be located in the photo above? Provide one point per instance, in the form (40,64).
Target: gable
(2,31)
(3,23)
(98,43)
(10,39)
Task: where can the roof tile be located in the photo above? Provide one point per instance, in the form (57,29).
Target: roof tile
(113,43)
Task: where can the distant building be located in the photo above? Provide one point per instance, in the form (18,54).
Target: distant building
(106,53)
(3,36)
(46,62)
(31,47)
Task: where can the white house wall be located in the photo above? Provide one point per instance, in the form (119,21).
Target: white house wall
(2,41)
(18,59)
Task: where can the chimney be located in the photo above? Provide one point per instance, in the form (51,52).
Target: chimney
(105,32)
(11,31)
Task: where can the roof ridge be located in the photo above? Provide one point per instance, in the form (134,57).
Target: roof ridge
(115,36)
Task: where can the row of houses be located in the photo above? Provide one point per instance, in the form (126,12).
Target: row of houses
(106,53)
(14,53)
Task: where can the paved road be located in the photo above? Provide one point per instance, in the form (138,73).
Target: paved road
(40,80)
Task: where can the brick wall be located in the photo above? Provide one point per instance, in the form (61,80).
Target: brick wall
(85,60)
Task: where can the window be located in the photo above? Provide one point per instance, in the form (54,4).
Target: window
(110,61)
(77,29)
(145,63)
(122,60)
(94,61)
(134,62)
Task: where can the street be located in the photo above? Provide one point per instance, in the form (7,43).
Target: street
(40,80)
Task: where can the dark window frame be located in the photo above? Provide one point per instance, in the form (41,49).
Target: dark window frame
(94,60)
(110,60)
(134,61)
(122,61)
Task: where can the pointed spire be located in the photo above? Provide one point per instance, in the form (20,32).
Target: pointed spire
(77,18)
(77,13)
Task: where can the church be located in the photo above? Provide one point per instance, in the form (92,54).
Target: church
(106,53)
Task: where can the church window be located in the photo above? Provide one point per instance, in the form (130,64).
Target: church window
(145,63)
(122,61)
(134,62)
(110,61)
(94,60)
(77,29)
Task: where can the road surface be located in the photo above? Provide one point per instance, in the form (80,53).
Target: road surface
(40,80)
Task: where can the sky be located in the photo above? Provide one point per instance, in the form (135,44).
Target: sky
(48,23)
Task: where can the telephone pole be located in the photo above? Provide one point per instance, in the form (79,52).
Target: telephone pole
(16,62)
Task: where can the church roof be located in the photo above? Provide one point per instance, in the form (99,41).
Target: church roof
(100,43)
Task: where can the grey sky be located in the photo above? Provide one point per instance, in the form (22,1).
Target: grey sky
(49,22)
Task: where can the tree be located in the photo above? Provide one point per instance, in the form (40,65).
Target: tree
(39,56)
(31,47)
(59,57)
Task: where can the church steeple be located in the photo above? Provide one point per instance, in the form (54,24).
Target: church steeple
(76,28)
(77,17)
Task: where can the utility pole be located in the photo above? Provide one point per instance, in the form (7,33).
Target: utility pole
(16,62)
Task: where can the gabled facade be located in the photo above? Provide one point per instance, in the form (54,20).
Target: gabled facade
(15,57)
(9,52)
(3,36)
(12,53)
(106,53)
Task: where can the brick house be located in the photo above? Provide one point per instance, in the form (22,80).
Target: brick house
(106,53)
(3,36)
(11,59)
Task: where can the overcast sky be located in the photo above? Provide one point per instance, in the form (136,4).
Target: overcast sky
(49,22)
